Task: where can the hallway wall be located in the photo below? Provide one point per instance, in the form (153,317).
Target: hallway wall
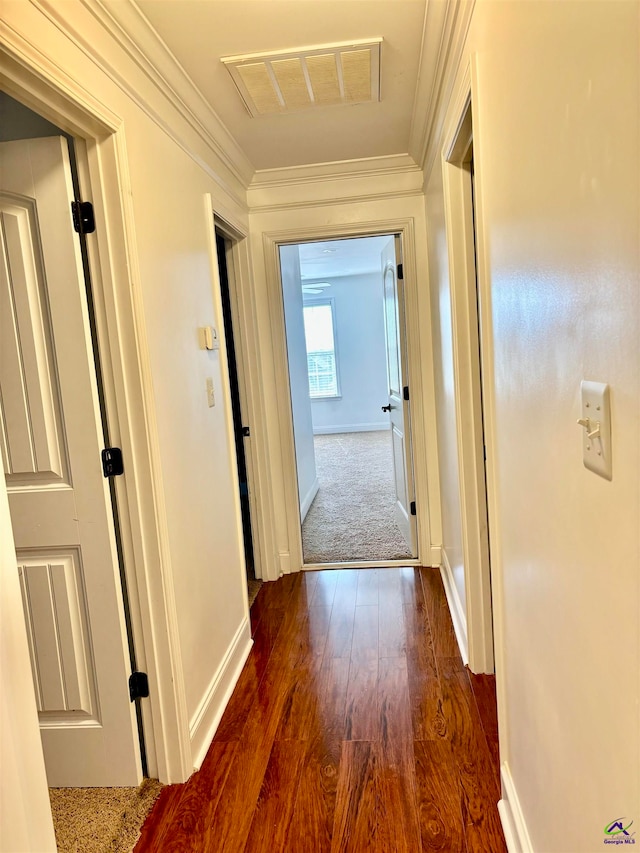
(556,151)
(362,358)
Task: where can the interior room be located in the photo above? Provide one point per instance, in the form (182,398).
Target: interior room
(343,439)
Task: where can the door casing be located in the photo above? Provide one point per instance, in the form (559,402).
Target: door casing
(473,388)
(104,179)
(292,560)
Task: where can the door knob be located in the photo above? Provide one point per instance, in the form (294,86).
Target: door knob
(386,408)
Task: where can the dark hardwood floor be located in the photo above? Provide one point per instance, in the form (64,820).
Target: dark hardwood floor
(354,727)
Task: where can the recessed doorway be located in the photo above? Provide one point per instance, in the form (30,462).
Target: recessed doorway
(347,359)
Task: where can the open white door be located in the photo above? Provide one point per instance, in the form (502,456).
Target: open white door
(59,500)
(398,403)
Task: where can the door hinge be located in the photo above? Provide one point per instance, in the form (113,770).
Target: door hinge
(138,685)
(405,392)
(412,507)
(400,271)
(83,219)
(112,464)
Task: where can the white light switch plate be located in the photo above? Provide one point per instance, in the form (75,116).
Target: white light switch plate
(595,420)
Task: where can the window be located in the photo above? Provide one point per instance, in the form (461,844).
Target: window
(319,329)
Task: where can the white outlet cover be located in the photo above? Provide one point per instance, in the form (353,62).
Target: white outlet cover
(596,407)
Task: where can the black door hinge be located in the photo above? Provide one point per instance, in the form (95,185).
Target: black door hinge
(405,392)
(246,431)
(83,219)
(112,464)
(413,507)
(400,271)
(138,685)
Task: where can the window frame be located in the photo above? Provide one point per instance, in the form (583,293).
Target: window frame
(331,302)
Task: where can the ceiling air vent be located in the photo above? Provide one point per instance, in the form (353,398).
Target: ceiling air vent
(291,80)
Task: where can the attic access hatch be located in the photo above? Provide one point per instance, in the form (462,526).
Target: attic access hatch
(291,80)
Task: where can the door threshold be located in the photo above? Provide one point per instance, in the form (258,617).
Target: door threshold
(362,564)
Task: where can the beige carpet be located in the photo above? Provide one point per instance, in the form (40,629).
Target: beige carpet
(101,820)
(253,589)
(351,517)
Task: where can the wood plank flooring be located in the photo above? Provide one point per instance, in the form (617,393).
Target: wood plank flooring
(354,727)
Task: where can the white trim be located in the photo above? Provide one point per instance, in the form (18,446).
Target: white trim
(513,822)
(271,243)
(32,78)
(284,559)
(360,198)
(458,201)
(305,504)
(241,284)
(489,409)
(338,428)
(436,556)
(367,167)
(362,564)
(447,23)
(458,614)
(207,718)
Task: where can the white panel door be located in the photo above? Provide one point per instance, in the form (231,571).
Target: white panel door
(51,441)
(398,407)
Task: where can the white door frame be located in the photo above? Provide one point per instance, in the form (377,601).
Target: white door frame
(251,401)
(271,243)
(471,334)
(103,167)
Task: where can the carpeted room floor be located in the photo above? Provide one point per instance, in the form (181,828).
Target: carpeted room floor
(352,516)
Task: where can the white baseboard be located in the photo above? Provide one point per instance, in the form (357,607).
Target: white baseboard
(330,430)
(284,559)
(458,613)
(513,823)
(207,718)
(308,499)
(435,556)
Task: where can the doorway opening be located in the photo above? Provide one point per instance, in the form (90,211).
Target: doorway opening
(349,391)
(241,427)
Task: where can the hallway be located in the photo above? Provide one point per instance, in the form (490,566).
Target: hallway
(354,727)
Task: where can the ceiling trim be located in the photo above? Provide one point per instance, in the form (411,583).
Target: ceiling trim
(133,33)
(368,167)
(444,36)
(300,204)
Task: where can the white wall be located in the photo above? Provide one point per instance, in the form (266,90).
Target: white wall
(555,146)
(169,167)
(298,377)
(362,359)
(25,813)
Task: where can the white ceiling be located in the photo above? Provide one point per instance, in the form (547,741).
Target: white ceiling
(333,258)
(200,32)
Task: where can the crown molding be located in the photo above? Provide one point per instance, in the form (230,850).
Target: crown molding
(366,167)
(134,35)
(305,204)
(444,36)
(336,183)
